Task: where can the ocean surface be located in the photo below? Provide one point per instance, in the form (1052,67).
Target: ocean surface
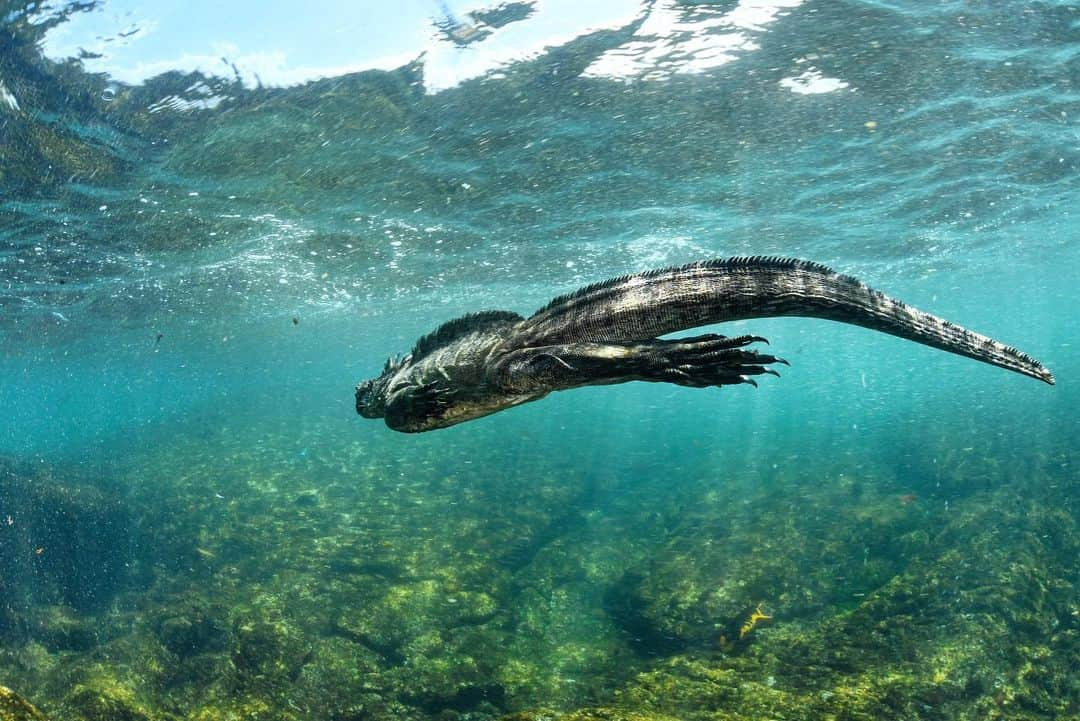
(199,264)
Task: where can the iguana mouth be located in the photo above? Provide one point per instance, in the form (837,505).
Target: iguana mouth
(366,404)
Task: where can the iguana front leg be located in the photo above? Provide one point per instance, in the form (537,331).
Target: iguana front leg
(698,362)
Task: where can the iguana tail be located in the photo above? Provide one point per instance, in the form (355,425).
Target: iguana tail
(650,304)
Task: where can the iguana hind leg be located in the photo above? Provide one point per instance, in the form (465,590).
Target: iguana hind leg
(706,360)
(698,362)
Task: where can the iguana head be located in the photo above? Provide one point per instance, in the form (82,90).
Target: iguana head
(372,394)
(370,403)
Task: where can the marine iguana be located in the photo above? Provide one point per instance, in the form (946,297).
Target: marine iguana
(609,333)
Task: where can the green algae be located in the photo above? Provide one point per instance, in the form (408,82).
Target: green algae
(15,708)
(104,701)
(701,585)
(440,595)
(406,611)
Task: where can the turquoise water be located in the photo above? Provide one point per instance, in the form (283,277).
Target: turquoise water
(189,294)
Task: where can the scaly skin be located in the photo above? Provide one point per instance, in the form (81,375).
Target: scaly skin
(609,333)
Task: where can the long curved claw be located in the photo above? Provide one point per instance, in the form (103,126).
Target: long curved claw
(740,341)
(716,342)
(706,360)
(710,338)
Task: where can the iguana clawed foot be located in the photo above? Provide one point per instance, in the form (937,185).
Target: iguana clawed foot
(431,400)
(706,360)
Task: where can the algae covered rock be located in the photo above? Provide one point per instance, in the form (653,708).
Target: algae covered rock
(192,627)
(104,701)
(452,671)
(267,653)
(249,709)
(717,570)
(613,714)
(340,675)
(60,628)
(980,625)
(14,707)
(599,713)
(63,543)
(406,611)
(186,636)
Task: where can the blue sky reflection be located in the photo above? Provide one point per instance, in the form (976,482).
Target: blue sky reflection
(280,44)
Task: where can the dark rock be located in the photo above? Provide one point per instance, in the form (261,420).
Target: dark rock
(409,610)
(59,628)
(61,543)
(307,499)
(268,652)
(106,702)
(797,559)
(192,631)
(454,671)
(585,714)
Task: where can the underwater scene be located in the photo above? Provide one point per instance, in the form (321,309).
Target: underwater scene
(218,220)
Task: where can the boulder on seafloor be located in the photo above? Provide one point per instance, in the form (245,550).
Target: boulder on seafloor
(192,626)
(14,707)
(981,624)
(60,628)
(267,653)
(409,610)
(61,543)
(106,700)
(453,670)
(599,713)
(796,560)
